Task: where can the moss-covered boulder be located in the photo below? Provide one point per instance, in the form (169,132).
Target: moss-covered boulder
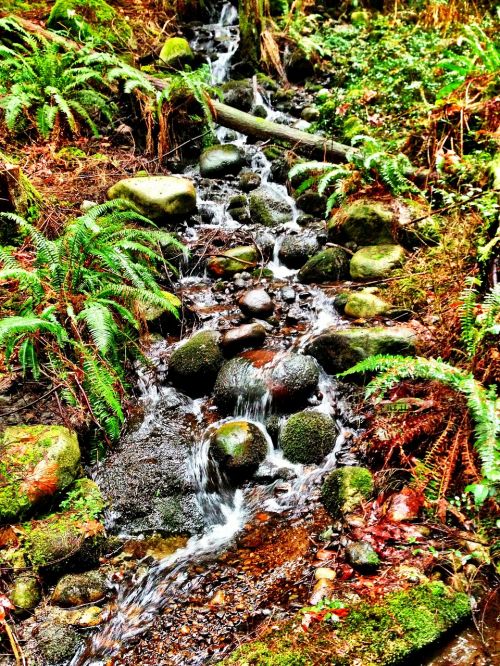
(194,365)
(392,630)
(366,305)
(330,265)
(219,161)
(239,447)
(163,199)
(91,20)
(36,462)
(26,592)
(176,53)
(345,489)
(308,436)
(296,249)
(235,260)
(338,350)
(363,222)
(79,589)
(57,643)
(268,207)
(376,261)
(238,94)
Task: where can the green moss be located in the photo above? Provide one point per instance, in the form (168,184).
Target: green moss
(345,488)
(258,654)
(195,364)
(176,52)
(85,500)
(239,447)
(235,260)
(90,20)
(307,437)
(329,265)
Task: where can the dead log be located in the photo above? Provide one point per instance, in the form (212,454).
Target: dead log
(227,116)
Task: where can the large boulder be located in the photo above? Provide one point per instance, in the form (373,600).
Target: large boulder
(296,249)
(376,261)
(363,222)
(345,489)
(92,20)
(239,447)
(239,94)
(308,436)
(161,198)
(194,364)
(287,379)
(365,304)
(330,265)
(233,261)
(37,462)
(339,349)
(268,207)
(176,53)
(79,589)
(219,161)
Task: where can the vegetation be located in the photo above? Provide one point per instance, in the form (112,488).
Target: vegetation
(79,303)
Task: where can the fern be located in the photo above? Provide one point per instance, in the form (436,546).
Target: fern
(482,402)
(475,328)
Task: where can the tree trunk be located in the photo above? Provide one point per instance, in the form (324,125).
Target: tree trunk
(251,17)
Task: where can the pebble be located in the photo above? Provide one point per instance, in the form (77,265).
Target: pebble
(324,573)
(256,303)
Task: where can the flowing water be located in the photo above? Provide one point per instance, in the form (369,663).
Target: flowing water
(225,509)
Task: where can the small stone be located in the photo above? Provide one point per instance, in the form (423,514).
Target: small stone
(26,593)
(324,573)
(79,589)
(249,180)
(321,590)
(256,303)
(244,337)
(362,556)
(404,506)
(90,616)
(288,294)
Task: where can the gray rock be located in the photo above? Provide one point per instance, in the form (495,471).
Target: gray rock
(219,161)
(248,336)
(312,203)
(338,350)
(238,94)
(256,303)
(288,294)
(194,364)
(310,113)
(269,208)
(296,249)
(161,198)
(79,589)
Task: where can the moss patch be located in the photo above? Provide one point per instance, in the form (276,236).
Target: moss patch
(308,436)
(345,488)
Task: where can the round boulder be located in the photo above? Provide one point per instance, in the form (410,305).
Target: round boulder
(249,180)
(176,53)
(330,265)
(269,207)
(239,447)
(376,261)
(26,593)
(256,303)
(308,437)
(297,249)
(243,337)
(365,305)
(194,365)
(292,379)
(363,222)
(78,589)
(219,161)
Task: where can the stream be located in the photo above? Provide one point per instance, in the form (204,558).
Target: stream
(281,489)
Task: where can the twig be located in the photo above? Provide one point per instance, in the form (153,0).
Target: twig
(16,648)
(442,210)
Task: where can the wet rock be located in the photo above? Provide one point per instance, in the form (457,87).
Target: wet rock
(298,67)
(307,437)
(238,94)
(248,336)
(404,506)
(38,462)
(310,113)
(297,249)
(57,643)
(79,589)
(364,222)
(376,261)
(26,592)
(365,305)
(90,616)
(233,261)
(322,589)
(330,265)
(194,365)
(338,350)
(239,447)
(256,303)
(176,53)
(288,294)
(219,161)
(345,489)
(161,198)
(312,203)
(241,215)
(268,207)
(324,573)
(259,111)
(288,379)
(249,180)
(362,556)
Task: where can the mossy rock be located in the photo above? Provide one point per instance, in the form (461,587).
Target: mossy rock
(37,462)
(91,20)
(176,53)
(268,207)
(25,593)
(308,436)
(57,643)
(376,261)
(364,222)
(223,160)
(339,349)
(239,447)
(365,305)
(235,260)
(80,589)
(345,489)
(362,557)
(390,631)
(163,199)
(330,265)
(194,365)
